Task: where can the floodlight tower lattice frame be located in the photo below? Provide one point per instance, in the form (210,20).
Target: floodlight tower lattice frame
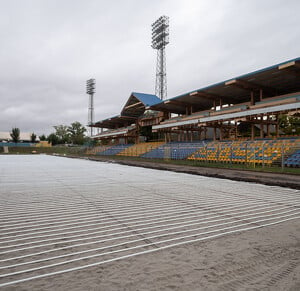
(160,38)
(90,90)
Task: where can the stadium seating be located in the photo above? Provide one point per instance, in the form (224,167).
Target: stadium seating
(139,149)
(259,151)
(293,160)
(174,150)
(113,150)
(262,151)
(96,150)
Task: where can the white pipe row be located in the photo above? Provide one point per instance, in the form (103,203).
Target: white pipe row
(272,197)
(174,202)
(148,251)
(65,238)
(95,242)
(130,218)
(169,217)
(135,235)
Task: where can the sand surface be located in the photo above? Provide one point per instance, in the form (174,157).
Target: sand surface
(50,204)
(264,259)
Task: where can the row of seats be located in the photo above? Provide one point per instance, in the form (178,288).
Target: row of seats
(96,150)
(262,151)
(259,151)
(113,150)
(174,150)
(139,149)
(293,160)
(153,150)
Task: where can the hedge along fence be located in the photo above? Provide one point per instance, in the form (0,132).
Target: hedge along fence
(44,150)
(19,144)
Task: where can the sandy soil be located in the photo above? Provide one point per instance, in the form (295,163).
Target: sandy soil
(263,259)
(272,179)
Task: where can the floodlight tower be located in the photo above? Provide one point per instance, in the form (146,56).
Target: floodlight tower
(160,38)
(90,90)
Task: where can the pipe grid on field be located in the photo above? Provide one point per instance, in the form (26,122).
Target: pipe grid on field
(60,215)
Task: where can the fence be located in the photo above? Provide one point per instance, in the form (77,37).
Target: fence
(19,144)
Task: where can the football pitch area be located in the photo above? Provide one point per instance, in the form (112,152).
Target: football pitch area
(62,215)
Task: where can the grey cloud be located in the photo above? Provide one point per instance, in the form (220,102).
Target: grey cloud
(49,48)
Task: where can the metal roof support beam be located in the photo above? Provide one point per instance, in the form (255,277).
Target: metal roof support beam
(252,98)
(209,96)
(133,105)
(261,130)
(179,103)
(289,65)
(250,86)
(252,131)
(127,117)
(292,68)
(277,126)
(292,72)
(204,95)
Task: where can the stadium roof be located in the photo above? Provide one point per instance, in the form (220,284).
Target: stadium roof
(133,109)
(278,79)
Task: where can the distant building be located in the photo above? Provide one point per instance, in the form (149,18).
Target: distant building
(24,137)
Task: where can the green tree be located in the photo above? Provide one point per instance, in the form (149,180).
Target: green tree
(147,132)
(42,137)
(283,122)
(76,131)
(53,138)
(15,134)
(61,131)
(33,137)
(90,142)
(244,129)
(289,124)
(295,123)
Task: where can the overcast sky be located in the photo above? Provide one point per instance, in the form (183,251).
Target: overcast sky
(49,48)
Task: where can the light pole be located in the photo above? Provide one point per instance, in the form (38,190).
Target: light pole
(90,90)
(160,38)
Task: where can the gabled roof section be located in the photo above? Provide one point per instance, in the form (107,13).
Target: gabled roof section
(147,99)
(137,103)
(133,109)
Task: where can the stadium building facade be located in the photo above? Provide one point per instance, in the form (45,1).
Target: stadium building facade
(219,112)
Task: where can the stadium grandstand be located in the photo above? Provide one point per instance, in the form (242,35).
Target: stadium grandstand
(237,120)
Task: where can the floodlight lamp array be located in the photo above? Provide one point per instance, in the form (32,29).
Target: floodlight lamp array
(160,32)
(90,86)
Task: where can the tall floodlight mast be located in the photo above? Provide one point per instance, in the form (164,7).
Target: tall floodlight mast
(90,90)
(160,38)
